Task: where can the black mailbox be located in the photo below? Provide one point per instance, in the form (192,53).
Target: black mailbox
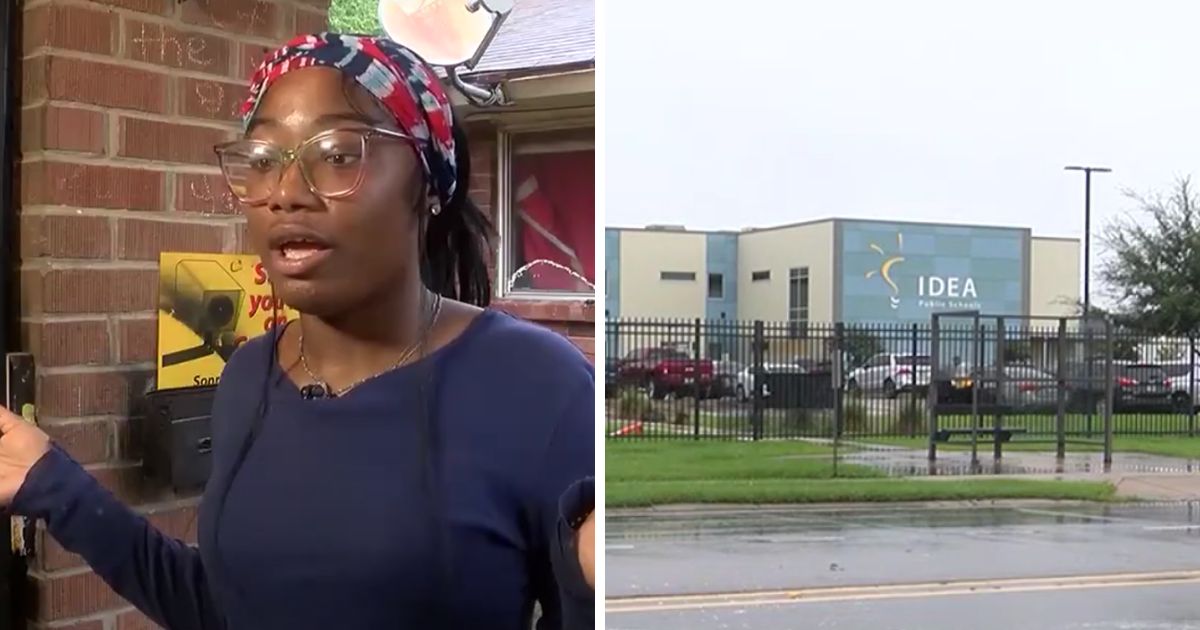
(177,437)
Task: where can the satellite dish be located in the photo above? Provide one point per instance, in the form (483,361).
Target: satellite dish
(449,34)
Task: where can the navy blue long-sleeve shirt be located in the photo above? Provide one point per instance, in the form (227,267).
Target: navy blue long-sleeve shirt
(350,513)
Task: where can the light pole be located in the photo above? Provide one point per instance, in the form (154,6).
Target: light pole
(1087,233)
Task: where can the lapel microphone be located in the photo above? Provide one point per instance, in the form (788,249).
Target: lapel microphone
(314,391)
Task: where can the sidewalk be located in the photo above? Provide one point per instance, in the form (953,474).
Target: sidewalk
(1136,476)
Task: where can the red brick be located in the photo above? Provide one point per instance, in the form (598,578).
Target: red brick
(64,236)
(249,17)
(249,57)
(95,83)
(33,79)
(90,624)
(70,27)
(138,340)
(163,45)
(320,4)
(68,343)
(311,21)
(145,240)
(63,597)
(134,620)
(551,311)
(89,441)
(586,344)
(214,100)
(89,290)
(156,7)
(129,439)
(77,394)
(581,329)
(206,194)
(89,185)
(169,142)
(62,129)
(483,152)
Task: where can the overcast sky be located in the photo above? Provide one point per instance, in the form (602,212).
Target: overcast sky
(916,110)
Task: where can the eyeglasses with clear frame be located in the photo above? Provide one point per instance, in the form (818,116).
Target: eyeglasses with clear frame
(332,163)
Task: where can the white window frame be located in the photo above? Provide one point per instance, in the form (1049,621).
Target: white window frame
(798,316)
(504,222)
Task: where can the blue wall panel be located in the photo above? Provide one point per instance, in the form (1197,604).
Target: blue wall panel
(612,273)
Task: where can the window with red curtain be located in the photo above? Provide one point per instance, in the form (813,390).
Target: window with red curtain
(552,236)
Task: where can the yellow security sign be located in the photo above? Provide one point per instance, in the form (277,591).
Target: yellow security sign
(208,305)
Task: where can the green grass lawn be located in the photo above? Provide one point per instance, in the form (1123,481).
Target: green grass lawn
(663,472)
(760,491)
(683,460)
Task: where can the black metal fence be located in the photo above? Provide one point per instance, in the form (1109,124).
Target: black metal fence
(708,379)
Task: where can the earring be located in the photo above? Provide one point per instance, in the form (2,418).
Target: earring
(436,209)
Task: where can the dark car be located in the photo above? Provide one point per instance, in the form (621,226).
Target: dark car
(1022,389)
(611,365)
(1136,387)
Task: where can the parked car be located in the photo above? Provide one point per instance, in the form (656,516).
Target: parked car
(1136,387)
(1185,385)
(745,379)
(725,378)
(1024,388)
(611,376)
(666,371)
(891,374)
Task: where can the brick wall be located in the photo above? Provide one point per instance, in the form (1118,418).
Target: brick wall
(122,101)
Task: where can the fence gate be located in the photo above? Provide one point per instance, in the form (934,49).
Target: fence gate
(995,379)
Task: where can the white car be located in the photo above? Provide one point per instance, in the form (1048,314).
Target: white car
(745,378)
(890,374)
(1185,385)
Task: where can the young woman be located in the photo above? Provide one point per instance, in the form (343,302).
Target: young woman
(401,456)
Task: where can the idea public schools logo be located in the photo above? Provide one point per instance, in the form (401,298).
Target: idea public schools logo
(933,292)
(885,269)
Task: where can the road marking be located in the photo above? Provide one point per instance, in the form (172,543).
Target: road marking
(667,603)
(1170,528)
(1080,516)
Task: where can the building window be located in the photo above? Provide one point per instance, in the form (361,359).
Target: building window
(760,276)
(548,217)
(798,302)
(716,286)
(677,276)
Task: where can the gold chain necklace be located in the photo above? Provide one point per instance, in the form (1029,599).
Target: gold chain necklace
(322,388)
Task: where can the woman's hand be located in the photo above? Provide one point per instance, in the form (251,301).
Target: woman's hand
(22,444)
(586,544)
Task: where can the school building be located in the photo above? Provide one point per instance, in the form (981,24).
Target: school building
(838,270)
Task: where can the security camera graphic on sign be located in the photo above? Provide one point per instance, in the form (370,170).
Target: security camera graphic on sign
(885,269)
(207,299)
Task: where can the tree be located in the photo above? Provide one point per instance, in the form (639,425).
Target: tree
(860,345)
(1152,266)
(355,16)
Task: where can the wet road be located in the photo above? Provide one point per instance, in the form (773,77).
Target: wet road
(1036,565)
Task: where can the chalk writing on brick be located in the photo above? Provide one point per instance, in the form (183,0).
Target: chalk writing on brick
(219,201)
(156,44)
